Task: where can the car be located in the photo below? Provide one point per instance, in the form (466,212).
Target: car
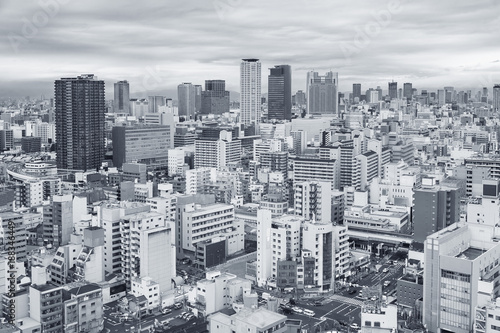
(187,314)
(374,298)
(166,311)
(309,313)
(354,326)
(387,283)
(352,291)
(178,305)
(189,317)
(182,314)
(318,303)
(385,270)
(296,309)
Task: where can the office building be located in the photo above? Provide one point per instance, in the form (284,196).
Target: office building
(435,208)
(58,220)
(393,90)
(299,141)
(138,107)
(408,91)
(215,98)
(146,144)
(279,103)
(367,167)
(250,91)
(186,94)
(322,93)
(305,169)
(459,262)
(121,102)
(300,98)
(80,108)
(356,92)
(197,98)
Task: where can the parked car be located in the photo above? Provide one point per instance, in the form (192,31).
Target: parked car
(178,305)
(166,311)
(296,309)
(385,270)
(387,283)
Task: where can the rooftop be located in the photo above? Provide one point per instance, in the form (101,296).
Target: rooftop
(260,318)
(471,253)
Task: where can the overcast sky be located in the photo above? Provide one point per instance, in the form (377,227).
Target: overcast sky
(157,44)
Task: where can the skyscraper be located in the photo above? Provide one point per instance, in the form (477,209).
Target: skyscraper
(407,91)
(122,98)
(393,90)
(186,94)
(250,91)
(80,108)
(356,92)
(279,103)
(322,93)
(496,97)
(215,98)
(197,98)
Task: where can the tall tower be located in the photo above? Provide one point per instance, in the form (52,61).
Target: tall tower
(496,97)
(279,103)
(186,94)
(80,108)
(322,93)
(356,92)
(122,98)
(393,90)
(250,91)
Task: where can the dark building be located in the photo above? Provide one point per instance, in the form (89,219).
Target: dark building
(435,208)
(408,91)
(410,288)
(279,104)
(393,90)
(80,109)
(210,253)
(121,102)
(31,144)
(215,98)
(183,137)
(356,92)
(286,274)
(6,139)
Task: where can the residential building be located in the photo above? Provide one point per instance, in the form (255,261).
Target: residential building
(46,306)
(310,168)
(217,153)
(83,309)
(250,91)
(312,200)
(80,108)
(11,225)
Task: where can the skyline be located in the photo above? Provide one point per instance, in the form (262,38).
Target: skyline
(156,47)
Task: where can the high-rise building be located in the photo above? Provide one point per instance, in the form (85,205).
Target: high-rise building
(154,103)
(197,98)
(186,94)
(250,91)
(216,153)
(279,104)
(80,108)
(215,98)
(407,91)
(122,98)
(300,98)
(313,201)
(322,93)
(496,97)
(58,220)
(393,90)
(11,225)
(356,92)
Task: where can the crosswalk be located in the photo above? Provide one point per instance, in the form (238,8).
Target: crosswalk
(347,300)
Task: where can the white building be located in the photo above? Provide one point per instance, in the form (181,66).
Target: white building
(198,177)
(313,200)
(217,153)
(148,288)
(175,162)
(250,91)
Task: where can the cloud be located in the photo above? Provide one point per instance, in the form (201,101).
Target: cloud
(429,43)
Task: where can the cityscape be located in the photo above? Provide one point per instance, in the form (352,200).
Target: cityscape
(258,173)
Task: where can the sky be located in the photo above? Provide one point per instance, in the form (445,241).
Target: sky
(158,44)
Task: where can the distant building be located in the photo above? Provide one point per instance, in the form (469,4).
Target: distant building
(322,93)
(121,102)
(31,144)
(215,98)
(393,90)
(408,91)
(356,92)
(496,97)
(186,94)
